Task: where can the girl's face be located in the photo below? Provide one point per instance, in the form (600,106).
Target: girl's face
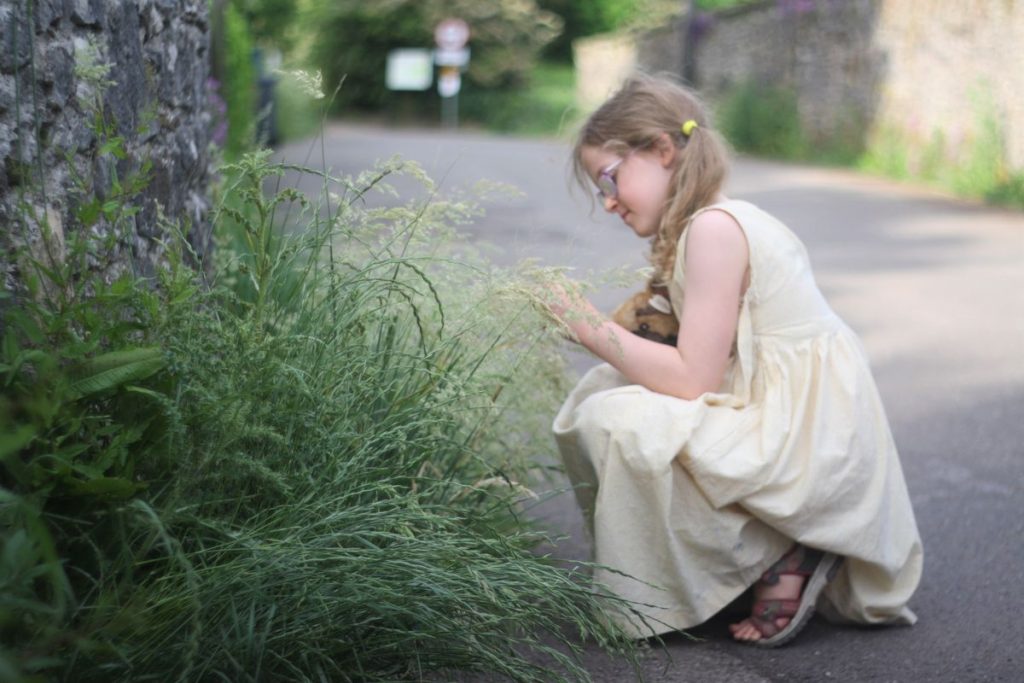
(641,181)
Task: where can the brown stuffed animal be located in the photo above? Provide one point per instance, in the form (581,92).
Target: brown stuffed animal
(648,314)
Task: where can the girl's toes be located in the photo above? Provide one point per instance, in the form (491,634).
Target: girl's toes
(745,631)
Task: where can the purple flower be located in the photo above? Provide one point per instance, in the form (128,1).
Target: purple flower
(700,25)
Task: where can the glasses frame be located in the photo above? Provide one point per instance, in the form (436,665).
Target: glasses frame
(607,188)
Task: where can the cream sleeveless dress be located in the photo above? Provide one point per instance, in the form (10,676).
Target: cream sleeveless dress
(696,499)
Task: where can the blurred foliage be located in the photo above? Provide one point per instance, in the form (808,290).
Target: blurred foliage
(298,114)
(546,106)
(242,33)
(238,82)
(762,120)
(349,41)
(270,21)
(712,5)
(589,17)
(584,18)
(977,167)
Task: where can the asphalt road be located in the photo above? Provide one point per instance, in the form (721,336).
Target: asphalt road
(935,288)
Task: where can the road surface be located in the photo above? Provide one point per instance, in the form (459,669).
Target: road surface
(935,288)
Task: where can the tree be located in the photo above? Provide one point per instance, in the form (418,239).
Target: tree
(351,39)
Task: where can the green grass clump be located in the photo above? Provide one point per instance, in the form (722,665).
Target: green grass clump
(762,120)
(975,168)
(307,461)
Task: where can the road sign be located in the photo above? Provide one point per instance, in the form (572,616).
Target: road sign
(451,34)
(446,57)
(449,81)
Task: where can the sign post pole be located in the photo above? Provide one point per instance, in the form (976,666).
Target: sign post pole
(451,56)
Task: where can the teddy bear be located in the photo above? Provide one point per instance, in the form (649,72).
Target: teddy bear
(648,314)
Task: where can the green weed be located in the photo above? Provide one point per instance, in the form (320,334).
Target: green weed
(763,121)
(307,461)
(545,106)
(976,168)
(887,155)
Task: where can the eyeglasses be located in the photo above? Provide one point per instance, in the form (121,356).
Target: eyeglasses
(606,187)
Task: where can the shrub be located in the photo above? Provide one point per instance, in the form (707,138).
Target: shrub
(762,120)
(547,105)
(310,465)
(351,39)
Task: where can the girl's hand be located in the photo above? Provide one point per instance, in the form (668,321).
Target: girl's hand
(716,265)
(563,298)
(565,301)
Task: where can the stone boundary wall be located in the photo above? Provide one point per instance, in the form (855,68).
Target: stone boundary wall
(157,53)
(914,68)
(602,63)
(950,65)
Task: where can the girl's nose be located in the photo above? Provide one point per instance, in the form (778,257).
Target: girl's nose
(609,203)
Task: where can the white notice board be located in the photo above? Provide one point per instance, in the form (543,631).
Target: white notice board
(409,69)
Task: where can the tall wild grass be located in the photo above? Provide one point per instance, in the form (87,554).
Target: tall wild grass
(309,460)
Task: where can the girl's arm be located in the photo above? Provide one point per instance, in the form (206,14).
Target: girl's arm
(716,269)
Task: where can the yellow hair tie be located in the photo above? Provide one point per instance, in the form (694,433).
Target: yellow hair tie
(688,127)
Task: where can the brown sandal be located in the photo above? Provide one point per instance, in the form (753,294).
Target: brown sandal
(819,567)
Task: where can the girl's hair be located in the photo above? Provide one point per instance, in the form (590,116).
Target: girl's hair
(634,118)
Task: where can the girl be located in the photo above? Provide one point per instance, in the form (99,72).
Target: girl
(755,452)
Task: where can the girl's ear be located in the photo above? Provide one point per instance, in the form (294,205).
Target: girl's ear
(665,150)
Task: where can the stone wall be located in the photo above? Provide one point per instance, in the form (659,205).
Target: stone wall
(142,65)
(825,52)
(949,66)
(914,68)
(602,63)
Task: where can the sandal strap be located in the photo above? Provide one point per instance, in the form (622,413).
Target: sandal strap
(799,561)
(775,609)
(765,612)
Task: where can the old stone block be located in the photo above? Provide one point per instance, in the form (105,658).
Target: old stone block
(70,134)
(48,13)
(15,38)
(151,20)
(86,12)
(58,70)
(8,93)
(128,97)
(155,50)
(196,14)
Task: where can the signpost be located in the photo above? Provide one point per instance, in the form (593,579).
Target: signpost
(452,56)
